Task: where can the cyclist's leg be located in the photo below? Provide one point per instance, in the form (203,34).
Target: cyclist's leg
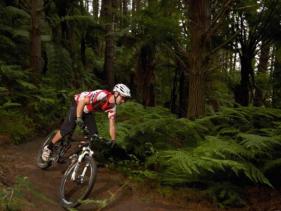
(90,122)
(67,126)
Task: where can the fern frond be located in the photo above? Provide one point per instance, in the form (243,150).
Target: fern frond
(6,42)
(59,65)
(220,148)
(3,90)
(16,12)
(228,131)
(27,85)
(248,169)
(10,104)
(21,33)
(12,72)
(259,145)
(185,166)
(271,164)
(45,100)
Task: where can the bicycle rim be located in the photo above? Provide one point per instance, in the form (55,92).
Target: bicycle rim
(72,192)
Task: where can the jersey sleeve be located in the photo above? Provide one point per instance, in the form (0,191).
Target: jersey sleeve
(81,96)
(99,96)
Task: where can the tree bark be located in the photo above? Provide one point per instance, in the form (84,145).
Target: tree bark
(124,14)
(259,98)
(242,91)
(276,85)
(198,59)
(174,91)
(36,58)
(183,92)
(145,77)
(125,7)
(96,9)
(109,44)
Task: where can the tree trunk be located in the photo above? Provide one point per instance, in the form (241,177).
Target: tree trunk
(83,50)
(198,59)
(259,98)
(96,9)
(276,85)
(135,9)
(183,93)
(242,91)
(174,91)
(36,58)
(247,83)
(196,104)
(124,16)
(125,7)
(115,14)
(152,2)
(145,76)
(109,45)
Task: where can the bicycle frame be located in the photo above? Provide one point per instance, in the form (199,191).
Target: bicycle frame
(62,149)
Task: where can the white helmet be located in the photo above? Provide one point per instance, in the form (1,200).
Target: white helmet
(122,89)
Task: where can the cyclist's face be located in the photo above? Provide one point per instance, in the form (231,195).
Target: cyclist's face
(120,99)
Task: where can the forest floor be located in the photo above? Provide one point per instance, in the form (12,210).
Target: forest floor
(112,191)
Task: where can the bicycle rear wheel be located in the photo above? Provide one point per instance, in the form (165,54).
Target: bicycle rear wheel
(74,189)
(40,162)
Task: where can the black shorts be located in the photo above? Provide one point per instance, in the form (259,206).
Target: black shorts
(69,124)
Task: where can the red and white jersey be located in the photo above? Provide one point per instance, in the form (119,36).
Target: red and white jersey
(98,102)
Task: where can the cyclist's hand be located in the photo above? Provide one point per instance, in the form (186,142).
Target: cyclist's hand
(79,121)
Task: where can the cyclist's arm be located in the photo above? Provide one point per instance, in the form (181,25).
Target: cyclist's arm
(80,106)
(112,130)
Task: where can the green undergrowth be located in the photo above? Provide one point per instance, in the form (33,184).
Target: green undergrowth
(15,125)
(235,144)
(13,198)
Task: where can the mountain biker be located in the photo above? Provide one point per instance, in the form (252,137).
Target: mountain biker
(80,111)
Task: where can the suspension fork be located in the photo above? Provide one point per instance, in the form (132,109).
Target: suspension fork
(85,151)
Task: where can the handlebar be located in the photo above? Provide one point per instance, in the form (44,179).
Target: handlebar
(93,137)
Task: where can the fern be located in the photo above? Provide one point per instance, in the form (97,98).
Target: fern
(185,166)
(228,131)
(226,195)
(26,85)
(219,148)
(59,65)
(15,124)
(259,145)
(13,198)
(21,33)
(271,164)
(16,13)
(6,42)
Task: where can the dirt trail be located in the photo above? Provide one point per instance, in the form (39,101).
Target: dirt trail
(112,190)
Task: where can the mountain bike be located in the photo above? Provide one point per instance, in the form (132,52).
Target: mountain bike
(80,176)
(58,153)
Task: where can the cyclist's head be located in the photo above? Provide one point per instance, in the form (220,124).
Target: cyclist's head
(123,90)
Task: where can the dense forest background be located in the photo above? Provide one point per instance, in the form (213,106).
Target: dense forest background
(205,77)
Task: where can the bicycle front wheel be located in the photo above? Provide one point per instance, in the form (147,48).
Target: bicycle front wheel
(78,182)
